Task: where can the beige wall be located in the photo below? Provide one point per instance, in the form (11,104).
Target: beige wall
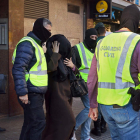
(90,23)
(69,24)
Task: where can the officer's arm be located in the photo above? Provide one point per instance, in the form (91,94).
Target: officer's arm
(135,70)
(93,114)
(24,56)
(92,84)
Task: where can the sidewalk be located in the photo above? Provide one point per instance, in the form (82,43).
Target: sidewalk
(77,107)
(14,124)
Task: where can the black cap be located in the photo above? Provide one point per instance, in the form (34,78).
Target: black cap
(99,25)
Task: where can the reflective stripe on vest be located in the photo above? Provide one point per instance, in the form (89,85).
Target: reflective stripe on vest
(39,69)
(84,71)
(98,46)
(119,84)
(84,59)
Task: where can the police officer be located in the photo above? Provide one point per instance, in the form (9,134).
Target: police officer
(31,79)
(100,124)
(116,69)
(82,58)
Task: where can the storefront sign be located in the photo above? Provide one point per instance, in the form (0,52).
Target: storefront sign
(137,2)
(100,9)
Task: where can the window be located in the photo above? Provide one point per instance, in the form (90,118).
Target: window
(137,2)
(73,9)
(3,35)
(130,1)
(36,9)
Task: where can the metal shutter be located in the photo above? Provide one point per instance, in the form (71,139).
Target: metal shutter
(36,9)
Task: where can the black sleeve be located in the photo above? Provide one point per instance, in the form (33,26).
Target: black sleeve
(24,54)
(76,57)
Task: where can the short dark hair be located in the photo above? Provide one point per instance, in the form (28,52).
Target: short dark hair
(101,30)
(46,22)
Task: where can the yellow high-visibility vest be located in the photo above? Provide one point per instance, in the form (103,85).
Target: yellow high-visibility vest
(86,59)
(113,54)
(38,73)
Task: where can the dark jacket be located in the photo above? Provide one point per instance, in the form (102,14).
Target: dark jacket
(76,57)
(100,37)
(25,59)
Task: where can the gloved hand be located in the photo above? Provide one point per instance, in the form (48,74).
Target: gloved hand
(132,91)
(135,98)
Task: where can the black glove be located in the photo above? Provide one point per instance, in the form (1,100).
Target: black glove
(135,98)
(132,91)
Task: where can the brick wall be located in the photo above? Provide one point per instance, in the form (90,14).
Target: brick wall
(69,24)
(16,32)
(90,23)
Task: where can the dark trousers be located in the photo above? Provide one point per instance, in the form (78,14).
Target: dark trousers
(34,118)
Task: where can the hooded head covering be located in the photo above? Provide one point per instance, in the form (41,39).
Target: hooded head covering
(130,18)
(40,31)
(90,42)
(64,48)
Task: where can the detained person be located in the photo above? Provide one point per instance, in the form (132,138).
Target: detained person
(59,115)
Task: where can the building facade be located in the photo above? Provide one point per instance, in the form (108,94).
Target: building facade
(16,20)
(117,8)
(68,17)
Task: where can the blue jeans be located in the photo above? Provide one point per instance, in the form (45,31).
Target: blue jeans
(99,113)
(83,119)
(124,123)
(34,118)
